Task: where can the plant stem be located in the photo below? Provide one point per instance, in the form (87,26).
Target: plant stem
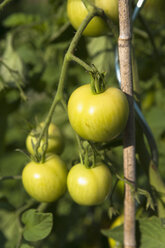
(124,46)
(68,56)
(79,148)
(4,3)
(81,62)
(3,178)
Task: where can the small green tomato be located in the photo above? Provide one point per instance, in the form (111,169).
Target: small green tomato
(46,181)
(89,186)
(118,221)
(55,140)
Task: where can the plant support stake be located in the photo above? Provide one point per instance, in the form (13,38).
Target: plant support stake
(124,46)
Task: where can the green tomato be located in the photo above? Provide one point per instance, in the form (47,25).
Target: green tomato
(55,140)
(118,221)
(77,12)
(46,181)
(98,117)
(89,186)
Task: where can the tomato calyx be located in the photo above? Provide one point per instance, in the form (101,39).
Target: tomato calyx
(89,155)
(39,156)
(97,82)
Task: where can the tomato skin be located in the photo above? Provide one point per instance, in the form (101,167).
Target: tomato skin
(98,117)
(110,8)
(77,12)
(89,186)
(46,181)
(55,140)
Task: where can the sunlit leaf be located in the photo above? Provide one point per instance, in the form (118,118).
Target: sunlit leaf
(37,225)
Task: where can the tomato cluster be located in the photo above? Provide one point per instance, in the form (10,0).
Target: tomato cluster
(99,118)
(96,116)
(45,181)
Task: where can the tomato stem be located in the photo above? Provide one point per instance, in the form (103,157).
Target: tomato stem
(59,94)
(79,148)
(4,3)
(81,62)
(97,81)
(3,178)
(102,14)
(60,89)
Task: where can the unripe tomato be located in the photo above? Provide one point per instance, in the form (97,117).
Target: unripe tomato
(118,221)
(55,140)
(77,12)
(89,186)
(46,181)
(98,117)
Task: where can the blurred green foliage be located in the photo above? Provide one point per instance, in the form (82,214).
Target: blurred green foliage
(35,36)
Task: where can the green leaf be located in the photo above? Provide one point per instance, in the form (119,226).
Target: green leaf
(152,232)
(9,224)
(26,246)
(115,233)
(19,19)
(37,225)
(156,119)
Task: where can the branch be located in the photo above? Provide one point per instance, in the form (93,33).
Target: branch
(124,46)
(4,3)
(3,178)
(60,89)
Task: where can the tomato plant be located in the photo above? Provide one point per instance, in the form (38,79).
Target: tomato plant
(89,186)
(41,59)
(55,140)
(77,12)
(46,181)
(98,117)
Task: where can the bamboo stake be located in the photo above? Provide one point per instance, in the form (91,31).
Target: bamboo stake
(124,46)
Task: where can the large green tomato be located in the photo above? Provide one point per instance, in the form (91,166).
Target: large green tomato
(55,139)
(46,181)
(98,117)
(77,12)
(89,186)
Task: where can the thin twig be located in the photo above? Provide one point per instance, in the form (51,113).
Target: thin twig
(4,3)
(68,56)
(3,178)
